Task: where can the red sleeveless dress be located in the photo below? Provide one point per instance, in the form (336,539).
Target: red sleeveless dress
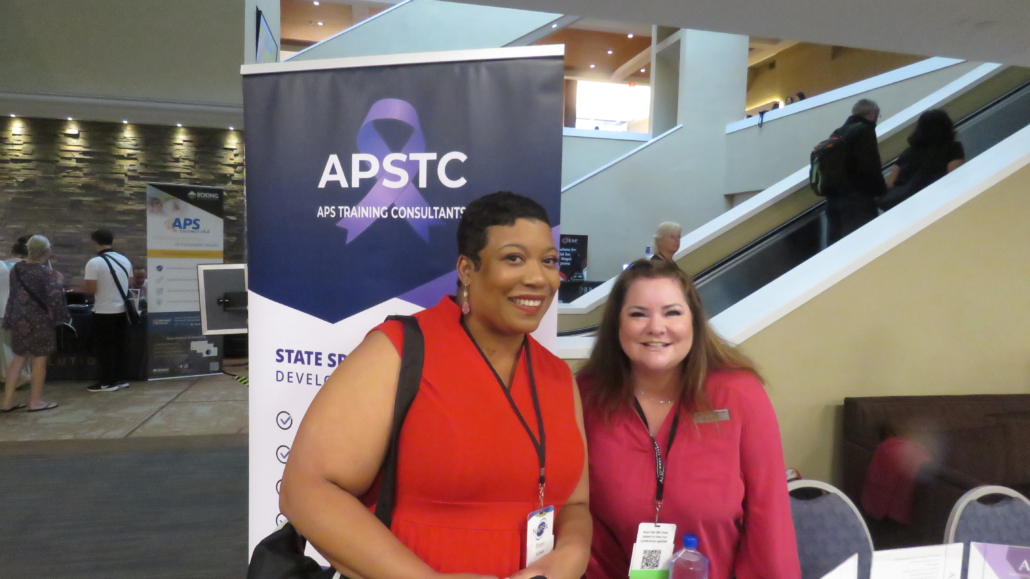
(467,470)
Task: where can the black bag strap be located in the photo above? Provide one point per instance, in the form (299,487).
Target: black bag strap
(31,293)
(412,359)
(117,283)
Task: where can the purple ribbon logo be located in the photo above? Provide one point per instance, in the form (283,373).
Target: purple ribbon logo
(371,142)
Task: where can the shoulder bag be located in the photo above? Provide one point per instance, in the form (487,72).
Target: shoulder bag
(281,554)
(130,306)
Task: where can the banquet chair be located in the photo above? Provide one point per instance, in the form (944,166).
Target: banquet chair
(828,528)
(1004,522)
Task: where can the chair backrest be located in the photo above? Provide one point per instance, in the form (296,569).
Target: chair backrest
(1006,522)
(829,529)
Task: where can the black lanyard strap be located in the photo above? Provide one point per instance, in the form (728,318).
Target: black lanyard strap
(539,445)
(659,475)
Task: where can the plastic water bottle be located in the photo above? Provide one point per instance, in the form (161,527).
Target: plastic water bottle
(688,563)
(647,252)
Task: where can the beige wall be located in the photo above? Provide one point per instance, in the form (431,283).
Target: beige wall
(581,155)
(945,312)
(814,69)
(185,51)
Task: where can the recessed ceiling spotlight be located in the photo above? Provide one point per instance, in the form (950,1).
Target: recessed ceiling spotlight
(609,52)
(630,35)
(320,23)
(316,2)
(12,115)
(178,124)
(125,122)
(643,70)
(591,66)
(231,129)
(555,25)
(70,119)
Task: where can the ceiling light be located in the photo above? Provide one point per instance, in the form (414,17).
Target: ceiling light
(609,52)
(178,124)
(591,66)
(320,23)
(231,129)
(125,122)
(70,119)
(316,2)
(630,35)
(12,115)
(554,25)
(643,70)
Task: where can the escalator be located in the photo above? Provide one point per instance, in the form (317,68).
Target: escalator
(757,251)
(774,254)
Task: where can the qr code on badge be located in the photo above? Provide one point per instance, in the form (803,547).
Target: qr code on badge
(651,559)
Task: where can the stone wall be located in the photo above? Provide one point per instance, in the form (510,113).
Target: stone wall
(62,185)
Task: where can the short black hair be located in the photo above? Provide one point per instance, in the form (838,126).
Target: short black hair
(20,248)
(500,208)
(102,237)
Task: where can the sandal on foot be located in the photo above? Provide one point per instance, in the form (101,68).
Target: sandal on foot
(49,406)
(12,409)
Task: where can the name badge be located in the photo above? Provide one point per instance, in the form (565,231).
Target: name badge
(713,416)
(653,551)
(539,534)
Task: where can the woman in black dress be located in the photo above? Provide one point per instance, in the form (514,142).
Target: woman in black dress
(36,305)
(933,152)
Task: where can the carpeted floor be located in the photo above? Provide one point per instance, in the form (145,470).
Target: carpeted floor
(125,508)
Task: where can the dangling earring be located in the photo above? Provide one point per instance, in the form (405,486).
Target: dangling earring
(465,300)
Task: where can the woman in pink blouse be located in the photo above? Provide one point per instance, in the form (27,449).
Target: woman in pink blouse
(661,388)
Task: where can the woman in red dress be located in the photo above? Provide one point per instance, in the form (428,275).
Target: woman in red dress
(494,434)
(662,388)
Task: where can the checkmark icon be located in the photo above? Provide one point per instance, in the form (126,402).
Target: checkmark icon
(283,420)
(282,453)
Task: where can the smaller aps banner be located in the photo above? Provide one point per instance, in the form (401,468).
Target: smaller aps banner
(184,230)
(358,171)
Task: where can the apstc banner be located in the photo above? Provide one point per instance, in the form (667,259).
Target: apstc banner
(184,230)
(357,175)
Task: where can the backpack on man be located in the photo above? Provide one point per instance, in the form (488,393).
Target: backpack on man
(828,172)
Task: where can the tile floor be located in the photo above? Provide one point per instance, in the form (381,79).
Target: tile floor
(188,406)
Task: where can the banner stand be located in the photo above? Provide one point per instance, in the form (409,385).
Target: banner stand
(184,230)
(358,171)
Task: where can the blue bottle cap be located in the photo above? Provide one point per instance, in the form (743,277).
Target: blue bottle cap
(690,542)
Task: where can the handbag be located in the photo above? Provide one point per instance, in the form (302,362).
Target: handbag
(130,306)
(281,554)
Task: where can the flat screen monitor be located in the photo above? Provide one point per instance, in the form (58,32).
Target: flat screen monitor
(223,298)
(267,48)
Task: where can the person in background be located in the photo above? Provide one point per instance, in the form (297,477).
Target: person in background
(800,96)
(853,204)
(493,408)
(139,280)
(19,251)
(661,387)
(6,354)
(789,101)
(933,152)
(35,306)
(667,241)
(110,324)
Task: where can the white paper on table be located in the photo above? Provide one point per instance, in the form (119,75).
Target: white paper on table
(987,561)
(846,570)
(931,562)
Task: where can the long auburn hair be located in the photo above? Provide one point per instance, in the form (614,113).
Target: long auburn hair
(609,371)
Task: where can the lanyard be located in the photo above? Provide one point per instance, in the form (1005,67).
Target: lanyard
(659,475)
(539,445)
